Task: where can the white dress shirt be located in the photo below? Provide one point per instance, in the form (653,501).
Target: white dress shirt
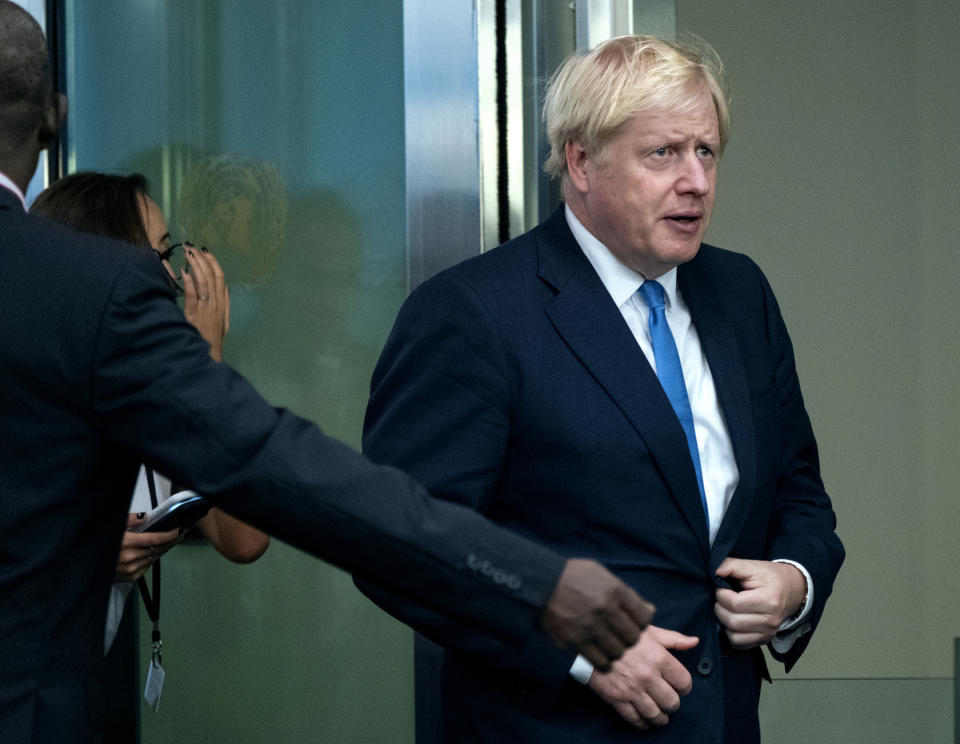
(717,461)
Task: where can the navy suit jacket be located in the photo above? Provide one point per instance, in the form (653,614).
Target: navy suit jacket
(99,371)
(512,384)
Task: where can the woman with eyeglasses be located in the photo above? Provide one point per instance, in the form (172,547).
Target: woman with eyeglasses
(119,207)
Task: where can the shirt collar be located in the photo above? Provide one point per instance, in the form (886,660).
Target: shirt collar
(621,282)
(11,186)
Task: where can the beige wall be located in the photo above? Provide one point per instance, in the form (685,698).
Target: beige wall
(842,179)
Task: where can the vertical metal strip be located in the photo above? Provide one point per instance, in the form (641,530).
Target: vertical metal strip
(517,149)
(503,166)
(56,40)
(488,130)
(441,134)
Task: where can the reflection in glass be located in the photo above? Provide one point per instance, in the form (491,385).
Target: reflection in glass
(272,133)
(237,207)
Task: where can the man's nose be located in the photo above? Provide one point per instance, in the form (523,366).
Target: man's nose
(693,177)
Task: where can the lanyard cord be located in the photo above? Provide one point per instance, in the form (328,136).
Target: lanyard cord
(152,604)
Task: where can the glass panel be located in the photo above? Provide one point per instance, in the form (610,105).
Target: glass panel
(273,134)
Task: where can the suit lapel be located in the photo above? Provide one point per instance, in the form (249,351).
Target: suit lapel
(715,328)
(591,325)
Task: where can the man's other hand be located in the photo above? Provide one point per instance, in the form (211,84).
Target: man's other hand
(594,612)
(645,686)
(770,593)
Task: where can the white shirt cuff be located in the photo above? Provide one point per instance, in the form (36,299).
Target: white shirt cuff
(581,670)
(794,627)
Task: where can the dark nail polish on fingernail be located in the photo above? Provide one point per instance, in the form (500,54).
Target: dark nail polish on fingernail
(141,515)
(204,249)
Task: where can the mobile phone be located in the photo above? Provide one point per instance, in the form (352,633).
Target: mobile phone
(180,510)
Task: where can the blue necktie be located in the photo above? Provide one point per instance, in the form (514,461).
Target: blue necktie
(671,373)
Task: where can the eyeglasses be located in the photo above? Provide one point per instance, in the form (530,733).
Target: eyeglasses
(171,250)
(168,254)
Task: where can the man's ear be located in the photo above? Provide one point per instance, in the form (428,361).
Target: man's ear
(53,116)
(577,166)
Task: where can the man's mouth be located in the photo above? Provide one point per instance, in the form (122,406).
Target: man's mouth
(685,222)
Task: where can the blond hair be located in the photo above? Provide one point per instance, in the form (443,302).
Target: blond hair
(593,95)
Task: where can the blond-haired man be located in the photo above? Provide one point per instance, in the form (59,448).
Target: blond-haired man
(658,428)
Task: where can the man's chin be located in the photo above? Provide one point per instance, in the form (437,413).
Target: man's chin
(681,254)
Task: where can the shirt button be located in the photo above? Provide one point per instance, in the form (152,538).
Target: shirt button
(705,666)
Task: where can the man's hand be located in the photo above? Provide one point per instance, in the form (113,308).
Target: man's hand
(645,686)
(770,593)
(594,612)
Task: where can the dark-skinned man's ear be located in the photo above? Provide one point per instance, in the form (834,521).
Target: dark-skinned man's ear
(53,116)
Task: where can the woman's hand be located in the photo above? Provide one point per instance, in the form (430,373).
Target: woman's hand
(206,298)
(140,550)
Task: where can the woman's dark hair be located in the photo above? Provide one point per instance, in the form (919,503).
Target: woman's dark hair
(98,203)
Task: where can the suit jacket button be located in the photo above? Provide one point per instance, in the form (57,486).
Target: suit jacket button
(705,666)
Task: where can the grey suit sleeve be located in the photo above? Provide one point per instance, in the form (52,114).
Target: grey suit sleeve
(156,391)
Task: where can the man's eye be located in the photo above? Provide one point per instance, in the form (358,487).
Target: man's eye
(660,152)
(704,151)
